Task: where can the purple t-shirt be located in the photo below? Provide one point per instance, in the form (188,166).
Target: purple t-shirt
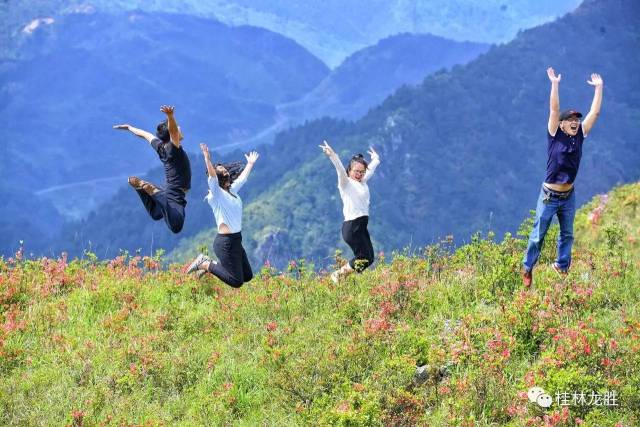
(565,153)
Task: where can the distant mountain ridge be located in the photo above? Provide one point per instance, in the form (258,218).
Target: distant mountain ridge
(462,152)
(332,29)
(84,72)
(368,76)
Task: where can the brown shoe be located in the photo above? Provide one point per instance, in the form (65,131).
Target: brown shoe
(135,182)
(527,278)
(145,186)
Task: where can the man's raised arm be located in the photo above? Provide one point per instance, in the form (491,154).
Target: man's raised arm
(594,112)
(174,131)
(554,101)
(137,132)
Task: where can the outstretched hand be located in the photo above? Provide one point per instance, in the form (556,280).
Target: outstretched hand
(326,149)
(372,153)
(596,80)
(252,157)
(123,127)
(167,109)
(205,151)
(552,75)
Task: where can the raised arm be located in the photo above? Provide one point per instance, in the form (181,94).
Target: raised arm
(251,159)
(174,131)
(242,178)
(342,173)
(373,164)
(594,112)
(137,132)
(211,170)
(554,101)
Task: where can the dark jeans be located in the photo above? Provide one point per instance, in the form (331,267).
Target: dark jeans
(233,266)
(168,204)
(356,235)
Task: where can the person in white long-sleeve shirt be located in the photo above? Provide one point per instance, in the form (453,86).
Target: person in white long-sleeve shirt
(354,191)
(225,180)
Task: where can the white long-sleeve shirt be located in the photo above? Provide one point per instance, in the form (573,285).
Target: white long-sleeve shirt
(227,209)
(354,194)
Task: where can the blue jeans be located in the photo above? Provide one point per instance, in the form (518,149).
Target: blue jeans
(566,212)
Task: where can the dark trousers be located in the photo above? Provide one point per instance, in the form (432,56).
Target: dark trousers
(233,266)
(356,235)
(168,204)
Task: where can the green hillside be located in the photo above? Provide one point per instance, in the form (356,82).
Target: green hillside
(122,342)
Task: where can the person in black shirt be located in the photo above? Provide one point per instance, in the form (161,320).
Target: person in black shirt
(166,203)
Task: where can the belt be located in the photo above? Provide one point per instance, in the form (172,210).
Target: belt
(560,195)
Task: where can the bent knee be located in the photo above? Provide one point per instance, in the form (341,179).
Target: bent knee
(175,229)
(234,283)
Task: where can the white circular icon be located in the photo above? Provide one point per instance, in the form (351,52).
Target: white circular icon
(544,400)
(533,394)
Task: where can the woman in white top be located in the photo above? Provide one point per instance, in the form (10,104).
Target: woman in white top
(225,180)
(354,191)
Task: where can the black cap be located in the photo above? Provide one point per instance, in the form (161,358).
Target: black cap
(570,113)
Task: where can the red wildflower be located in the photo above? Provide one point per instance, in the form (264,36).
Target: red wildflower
(272,326)
(78,416)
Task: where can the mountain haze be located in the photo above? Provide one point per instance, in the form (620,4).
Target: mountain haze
(332,29)
(80,73)
(368,76)
(466,150)
(462,152)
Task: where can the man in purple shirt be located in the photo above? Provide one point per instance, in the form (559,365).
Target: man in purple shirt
(565,135)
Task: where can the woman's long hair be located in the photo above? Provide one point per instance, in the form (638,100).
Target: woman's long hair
(233,168)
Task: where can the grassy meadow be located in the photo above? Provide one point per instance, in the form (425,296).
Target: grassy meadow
(126,342)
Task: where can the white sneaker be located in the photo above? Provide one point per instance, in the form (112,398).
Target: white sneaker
(201,273)
(335,276)
(195,265)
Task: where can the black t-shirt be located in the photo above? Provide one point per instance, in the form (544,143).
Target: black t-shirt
(177,168)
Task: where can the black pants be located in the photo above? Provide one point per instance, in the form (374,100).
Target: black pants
(233,266)
(356,235)
(168,204)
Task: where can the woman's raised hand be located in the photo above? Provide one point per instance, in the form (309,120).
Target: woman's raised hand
(252,157)
(372,153)
(552,75)
(205,150)
(596,80)
(326,149)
